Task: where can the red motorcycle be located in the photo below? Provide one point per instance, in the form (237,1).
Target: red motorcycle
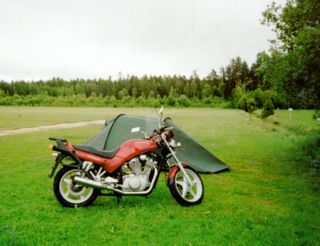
(131,169)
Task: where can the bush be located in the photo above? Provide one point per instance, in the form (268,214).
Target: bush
(247,103)
(153,102)
(184,101)
(259,96)
(316,114)
(268,109)
(2,94)
(219,102)
(170,101)
(81,100)
(238,92)
(311,147)
(243,100)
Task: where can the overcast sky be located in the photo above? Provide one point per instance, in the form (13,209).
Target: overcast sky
(40,39)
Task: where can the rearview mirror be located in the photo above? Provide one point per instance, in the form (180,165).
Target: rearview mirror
(161,111)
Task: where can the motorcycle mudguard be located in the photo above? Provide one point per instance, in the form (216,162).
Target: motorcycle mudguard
(56,164)
(172,172)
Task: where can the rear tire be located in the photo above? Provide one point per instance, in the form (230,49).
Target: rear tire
(70,194)
(185,194)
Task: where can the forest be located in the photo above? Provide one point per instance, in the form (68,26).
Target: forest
(287,75)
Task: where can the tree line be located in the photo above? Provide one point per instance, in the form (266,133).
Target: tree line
(285,76)
(216,90)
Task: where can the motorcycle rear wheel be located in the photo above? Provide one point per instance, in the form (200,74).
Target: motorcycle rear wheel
(184,194)
(70,194)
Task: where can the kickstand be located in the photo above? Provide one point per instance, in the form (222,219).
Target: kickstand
(119,198)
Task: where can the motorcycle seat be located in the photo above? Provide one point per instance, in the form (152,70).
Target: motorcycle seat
(91,150)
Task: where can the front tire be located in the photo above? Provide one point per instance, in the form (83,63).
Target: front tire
(185,194)
(70,194)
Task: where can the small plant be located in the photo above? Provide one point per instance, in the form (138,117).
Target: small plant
(316,114)
(244,100)
(268,109)
(184,101)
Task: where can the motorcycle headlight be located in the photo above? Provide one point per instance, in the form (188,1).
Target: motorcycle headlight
(169,134)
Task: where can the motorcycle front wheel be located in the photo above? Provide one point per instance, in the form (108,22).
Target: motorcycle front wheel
(70,194)
(185,194)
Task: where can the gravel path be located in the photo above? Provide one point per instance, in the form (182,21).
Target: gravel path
(51,127)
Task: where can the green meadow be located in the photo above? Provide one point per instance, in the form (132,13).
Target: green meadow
(270,196)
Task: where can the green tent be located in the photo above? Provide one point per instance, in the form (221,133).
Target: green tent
(118,131)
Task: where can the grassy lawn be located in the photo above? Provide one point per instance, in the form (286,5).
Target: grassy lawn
(266,198)
(20,117)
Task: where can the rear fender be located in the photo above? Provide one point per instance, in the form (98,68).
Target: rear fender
(59,160)
(66,149)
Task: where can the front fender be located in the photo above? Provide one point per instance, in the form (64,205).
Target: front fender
(172,172)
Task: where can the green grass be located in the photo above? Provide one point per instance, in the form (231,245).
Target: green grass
(264,200)
(20,117)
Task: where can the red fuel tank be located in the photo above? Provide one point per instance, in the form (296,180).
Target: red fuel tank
(128,150)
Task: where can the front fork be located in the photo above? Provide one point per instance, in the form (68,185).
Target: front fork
(179,163)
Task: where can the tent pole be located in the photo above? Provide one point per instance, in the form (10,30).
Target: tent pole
(105,143)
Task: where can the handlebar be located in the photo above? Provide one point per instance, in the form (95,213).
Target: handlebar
(58,139)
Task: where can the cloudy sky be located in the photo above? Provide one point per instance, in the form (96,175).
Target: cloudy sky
(40,39)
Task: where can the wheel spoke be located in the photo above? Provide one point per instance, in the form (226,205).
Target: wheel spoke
(67,194)
(192,193)
(184,191)
(181,183)
(184,188)
(67,181)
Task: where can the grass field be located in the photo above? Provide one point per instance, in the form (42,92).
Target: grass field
(19,117)
(268,197)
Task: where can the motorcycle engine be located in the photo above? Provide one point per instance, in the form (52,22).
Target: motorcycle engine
(136,173)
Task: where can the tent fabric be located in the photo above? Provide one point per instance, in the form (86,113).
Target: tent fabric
(118,131)
(99,140)
(194,153)
(121,129)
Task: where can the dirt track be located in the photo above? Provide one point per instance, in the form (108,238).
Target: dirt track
(51,127)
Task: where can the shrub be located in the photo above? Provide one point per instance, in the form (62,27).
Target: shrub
(243,100)
(247,103)
(111,101)
(238,92)
(170,101)
(316,114)
(184,101)
(268,109)
(2,93)
(259,96)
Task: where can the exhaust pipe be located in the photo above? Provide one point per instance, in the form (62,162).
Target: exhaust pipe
(91,183)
